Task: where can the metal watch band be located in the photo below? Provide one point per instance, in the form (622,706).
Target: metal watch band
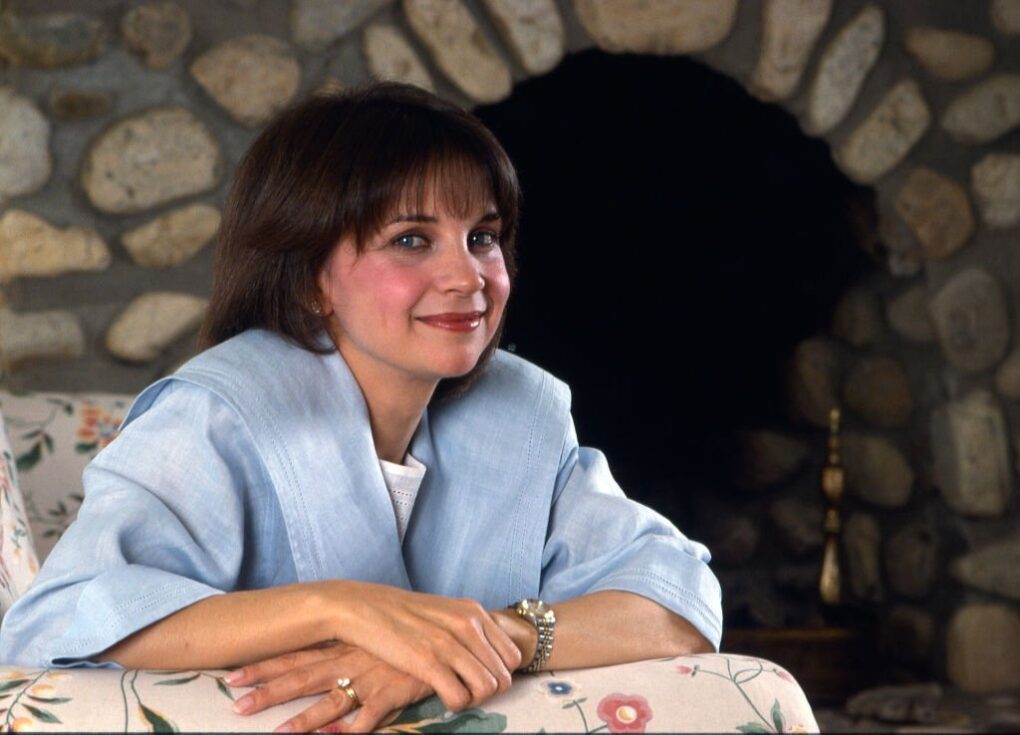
(545,627)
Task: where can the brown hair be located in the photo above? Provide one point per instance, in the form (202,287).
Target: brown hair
(335,165)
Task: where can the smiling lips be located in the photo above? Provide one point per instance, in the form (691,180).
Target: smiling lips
(454,321)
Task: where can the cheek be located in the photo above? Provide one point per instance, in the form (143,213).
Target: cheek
(390,290)
(497,285)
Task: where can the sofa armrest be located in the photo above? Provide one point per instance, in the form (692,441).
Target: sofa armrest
(709,692)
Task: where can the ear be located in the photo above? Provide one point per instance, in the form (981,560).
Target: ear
(324,291)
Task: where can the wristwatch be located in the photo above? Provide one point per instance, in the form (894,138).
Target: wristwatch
(543,618)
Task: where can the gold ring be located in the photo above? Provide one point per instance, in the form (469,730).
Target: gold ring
(344,684)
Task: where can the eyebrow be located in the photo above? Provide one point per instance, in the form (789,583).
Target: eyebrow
(490,216)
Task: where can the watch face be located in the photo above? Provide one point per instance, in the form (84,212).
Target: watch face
(536,607)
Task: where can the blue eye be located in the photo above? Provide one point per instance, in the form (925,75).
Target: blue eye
(483,239)
(410,242)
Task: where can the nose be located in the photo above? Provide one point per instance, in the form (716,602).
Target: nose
(460,271)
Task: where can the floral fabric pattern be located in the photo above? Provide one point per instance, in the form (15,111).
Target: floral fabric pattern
(715,693)
(18,562)
(53,436)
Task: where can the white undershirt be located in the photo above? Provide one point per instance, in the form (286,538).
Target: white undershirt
(403,481)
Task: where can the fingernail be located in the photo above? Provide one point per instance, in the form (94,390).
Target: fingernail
(285,727)
(244,704)
(233,676)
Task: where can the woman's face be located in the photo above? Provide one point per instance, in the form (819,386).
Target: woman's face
(422,300)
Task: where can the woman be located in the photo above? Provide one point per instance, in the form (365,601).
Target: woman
(256,509)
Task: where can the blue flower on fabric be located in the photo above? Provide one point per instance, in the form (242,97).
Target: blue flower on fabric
(559,688)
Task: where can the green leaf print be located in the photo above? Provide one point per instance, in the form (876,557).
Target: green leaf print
(49,700)
(29,459)
(157,723)
(13,684)
(42,715)
(427,709)
(470,720)
(85,447)
(777,717)
(224,689)
(752,727)
(177,682)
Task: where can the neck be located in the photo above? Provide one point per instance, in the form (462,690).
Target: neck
(395,406)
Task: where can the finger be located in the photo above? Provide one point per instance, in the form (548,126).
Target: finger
(332,707)
(297,683)
(270,668)
(383,704)
(503,643)
(477,677)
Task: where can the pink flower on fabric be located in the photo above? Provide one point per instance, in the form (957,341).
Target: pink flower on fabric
(681,669)
(785,676)
(624,713)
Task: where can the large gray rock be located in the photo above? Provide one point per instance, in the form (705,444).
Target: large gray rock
(908,315)
(799,524)
(971,320)
(1007,377)
(150,159)
(908,634)
(251,77)
(861,543)
(768,458)
(459,48)
(886,136)
(668,27)
(25,162)
(157,31)
(734,539)
(316,23)
(813,379)
(995,180)
(983,648)
(39,335)
(876,388)
(857,318)
(844,65)
(1006,16)
(938,212)
(903,703)
(949,55)
(993,568)
(533,29)
(50,40)
(971,452)
(986,111)
(876,471)
(912,560)
(151,323)
(172,238)
(390,57)
(790,29)
(30,246)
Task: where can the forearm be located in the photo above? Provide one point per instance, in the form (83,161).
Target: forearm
(233,629)
(608,627)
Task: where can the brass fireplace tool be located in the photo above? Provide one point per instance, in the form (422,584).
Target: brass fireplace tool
(829,583)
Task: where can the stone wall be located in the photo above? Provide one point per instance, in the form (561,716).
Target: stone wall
(121,122)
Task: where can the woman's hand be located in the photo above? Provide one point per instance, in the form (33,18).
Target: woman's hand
(453,645)
(380,687)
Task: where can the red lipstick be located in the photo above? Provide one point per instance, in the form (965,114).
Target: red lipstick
(454,321)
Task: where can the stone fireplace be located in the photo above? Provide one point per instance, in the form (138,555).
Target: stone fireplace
(833,223)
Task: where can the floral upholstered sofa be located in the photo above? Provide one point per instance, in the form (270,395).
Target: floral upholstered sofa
(49,440)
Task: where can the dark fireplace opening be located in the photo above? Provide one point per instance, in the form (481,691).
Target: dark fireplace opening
(678,239)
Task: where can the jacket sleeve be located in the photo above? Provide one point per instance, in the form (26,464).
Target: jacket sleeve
(598,539)
(161,527)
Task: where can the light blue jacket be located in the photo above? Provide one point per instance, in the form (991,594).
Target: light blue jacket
(254,466)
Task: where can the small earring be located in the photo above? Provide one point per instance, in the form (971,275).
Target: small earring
(316,308)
